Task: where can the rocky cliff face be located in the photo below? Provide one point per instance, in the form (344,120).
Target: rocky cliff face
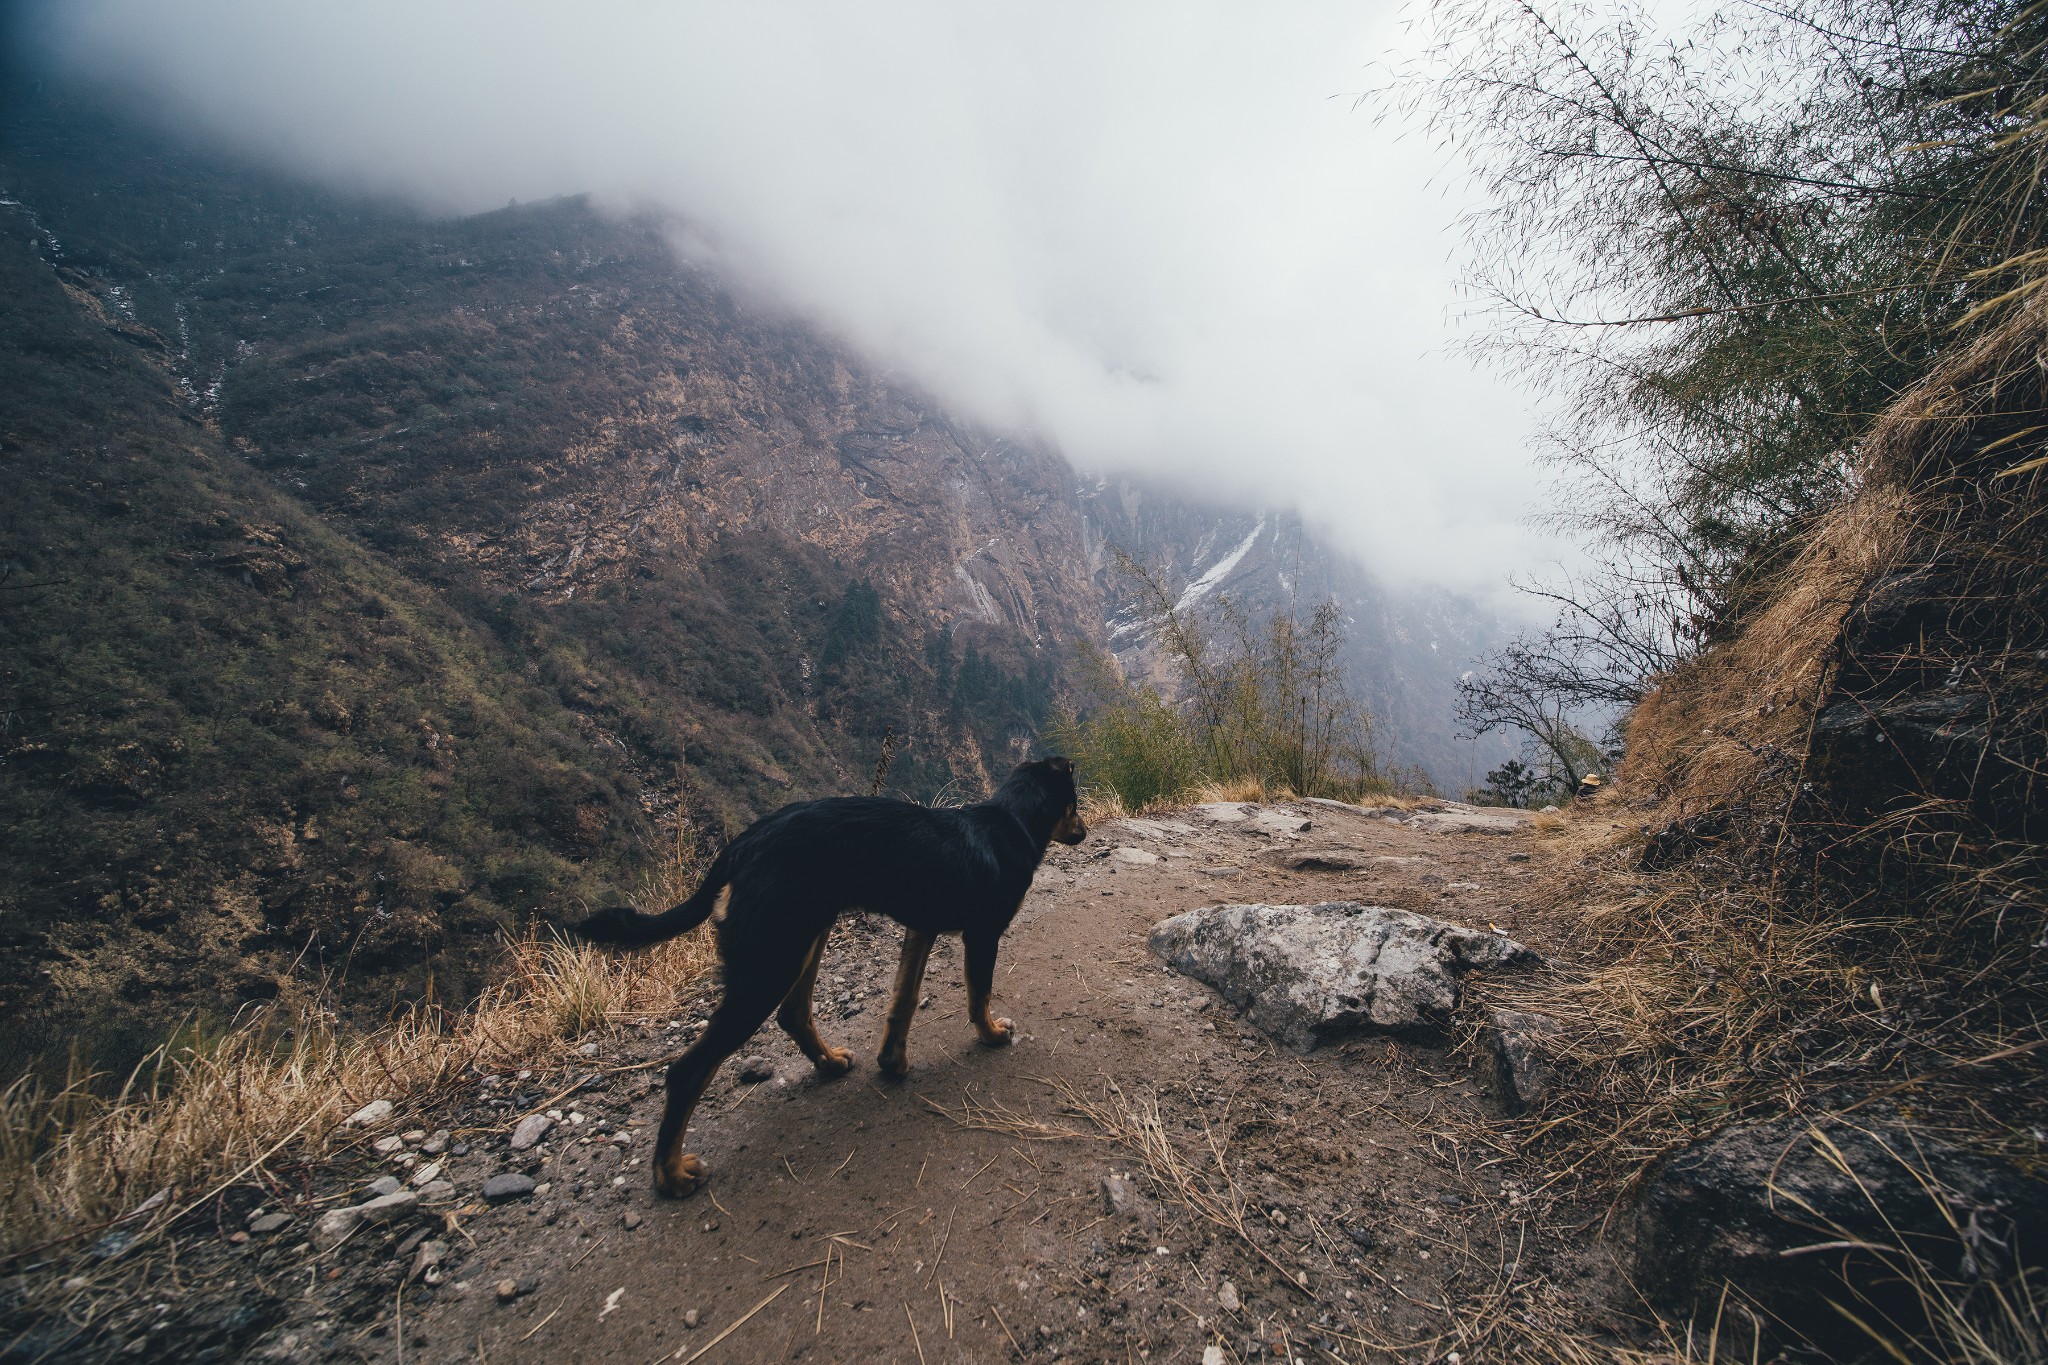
(521,487)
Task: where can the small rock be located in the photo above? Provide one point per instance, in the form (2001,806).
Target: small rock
(111,1245)
(530,1130)
(1119,1195)
(427,1174)
(507,1186)
(1277,822)
(383,1185)
(1212,1354)
(630,1218)
(458,1149)
(337,1225)
(437,1191)
(428,1257)
(544,1188)
(370,1115)
(588,1049)
(1521,1050)
(1138,856)
(622,1139)
(1226,1298)
(269,1223)
(1318,859)
(1361,1235)
(388,1146)
(414,1135)
(691,1319)
(436,1144)
(507,1290)
(1518,857)
(238,1238)
(755,1069)
(1218,871)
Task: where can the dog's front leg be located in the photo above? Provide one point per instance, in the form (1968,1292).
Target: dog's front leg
(917,948)
(981,977)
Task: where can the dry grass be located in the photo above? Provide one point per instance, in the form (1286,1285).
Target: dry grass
(272,1089)
(1707,735)
(1252,789)
(1099,804)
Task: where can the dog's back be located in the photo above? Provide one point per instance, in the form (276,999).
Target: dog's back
(936,871)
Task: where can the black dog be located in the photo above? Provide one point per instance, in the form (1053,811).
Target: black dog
(789,877)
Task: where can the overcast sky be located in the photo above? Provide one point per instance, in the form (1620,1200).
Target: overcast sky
(1162,235)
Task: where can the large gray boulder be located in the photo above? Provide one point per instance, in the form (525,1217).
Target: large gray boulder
(1455,817)
(1310,973)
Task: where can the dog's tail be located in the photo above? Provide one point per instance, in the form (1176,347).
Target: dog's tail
(622,926)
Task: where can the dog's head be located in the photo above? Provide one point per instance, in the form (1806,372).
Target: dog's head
(1070,827)
(1057,775)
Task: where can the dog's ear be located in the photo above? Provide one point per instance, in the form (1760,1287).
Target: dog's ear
(1059,763)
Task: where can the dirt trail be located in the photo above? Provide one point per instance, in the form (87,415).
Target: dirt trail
(952,1243)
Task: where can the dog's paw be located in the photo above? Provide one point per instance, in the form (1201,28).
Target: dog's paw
(679,1177)
(834,1061)
(997,1033)
(895,1065)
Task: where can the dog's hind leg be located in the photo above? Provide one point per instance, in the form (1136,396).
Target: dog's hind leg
(797,1021)
(917,948)
(981,976)
(745,1007)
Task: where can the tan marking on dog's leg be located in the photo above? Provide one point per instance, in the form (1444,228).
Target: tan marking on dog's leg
(749,999)
(917,948)
(799,1023)
(981,971)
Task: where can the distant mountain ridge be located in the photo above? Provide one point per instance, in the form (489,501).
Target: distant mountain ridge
(1404,649)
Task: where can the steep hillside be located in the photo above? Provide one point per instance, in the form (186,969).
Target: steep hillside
(1404,650)
(236,744)
(602,452)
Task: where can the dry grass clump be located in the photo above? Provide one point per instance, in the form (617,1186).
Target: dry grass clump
(1735,716)
(1253,789)
(273,1088)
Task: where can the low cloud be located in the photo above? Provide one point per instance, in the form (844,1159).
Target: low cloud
(1162,236)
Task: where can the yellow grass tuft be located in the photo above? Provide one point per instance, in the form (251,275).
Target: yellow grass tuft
(275,1086)
(1699,741)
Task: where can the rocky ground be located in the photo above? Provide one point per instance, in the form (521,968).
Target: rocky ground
(1143,1175)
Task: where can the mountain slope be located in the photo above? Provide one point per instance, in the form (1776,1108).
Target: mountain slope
(235,739)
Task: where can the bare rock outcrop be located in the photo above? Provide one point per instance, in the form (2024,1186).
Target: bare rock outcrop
(1795,1216)
(1309,973)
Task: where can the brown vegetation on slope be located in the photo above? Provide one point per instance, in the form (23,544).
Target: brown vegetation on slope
(1817,886)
